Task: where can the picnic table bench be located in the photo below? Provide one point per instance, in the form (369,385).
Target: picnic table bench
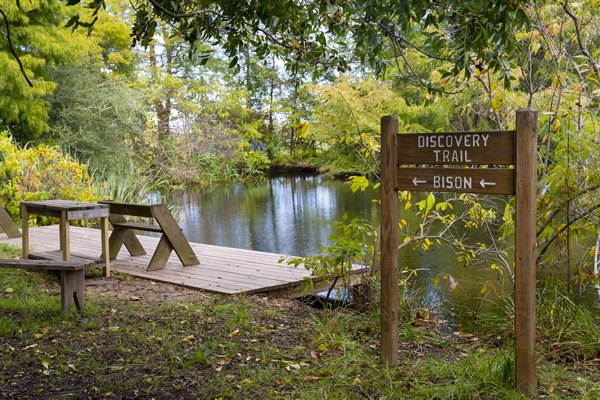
(172,237)
(71,276)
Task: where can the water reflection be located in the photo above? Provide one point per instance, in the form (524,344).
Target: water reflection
(286,214)
(294,215)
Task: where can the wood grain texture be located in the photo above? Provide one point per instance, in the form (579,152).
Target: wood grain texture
(459,180)
(7,224)
(456,148)
(223,270)
(389,242)
(525,244)
(71,276)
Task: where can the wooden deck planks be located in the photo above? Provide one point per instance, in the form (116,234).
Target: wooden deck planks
(221,270)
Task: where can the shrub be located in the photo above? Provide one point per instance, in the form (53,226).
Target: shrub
(40,173)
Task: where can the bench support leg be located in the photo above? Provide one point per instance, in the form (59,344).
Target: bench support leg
(173,232)
(72,288)
(161,254)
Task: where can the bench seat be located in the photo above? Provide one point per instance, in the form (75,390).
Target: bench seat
(172,239)
(71,276)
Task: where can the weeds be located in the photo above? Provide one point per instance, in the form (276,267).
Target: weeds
(253,347)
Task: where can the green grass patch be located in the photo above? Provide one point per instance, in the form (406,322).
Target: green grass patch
(253,347)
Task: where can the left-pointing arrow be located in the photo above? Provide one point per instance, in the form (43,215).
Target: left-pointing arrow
(416,181)
(484,183)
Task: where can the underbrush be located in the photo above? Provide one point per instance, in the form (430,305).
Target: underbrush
(212,346)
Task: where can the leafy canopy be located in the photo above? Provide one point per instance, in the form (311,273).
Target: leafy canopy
(330,34)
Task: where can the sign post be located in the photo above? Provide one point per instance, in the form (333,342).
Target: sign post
(525,213)
(500,148)
(389,242)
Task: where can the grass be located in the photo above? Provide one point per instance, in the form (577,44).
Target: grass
(217,347)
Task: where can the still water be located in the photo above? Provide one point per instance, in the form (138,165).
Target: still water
(294,214)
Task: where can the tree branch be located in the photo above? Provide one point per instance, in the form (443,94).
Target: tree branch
(564,228)
(582,48)
(12,49)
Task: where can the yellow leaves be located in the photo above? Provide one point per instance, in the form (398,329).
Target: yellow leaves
(43,332)
(557,80)
(555,125)
(358,183)
(189,338)
(497,101)
(534,47)
(322,347)
(302,130)
(40,173)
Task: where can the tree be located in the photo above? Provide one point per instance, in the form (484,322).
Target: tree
(332,34)
(29,42)
(32,43)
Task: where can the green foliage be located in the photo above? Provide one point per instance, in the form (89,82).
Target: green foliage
(333,35)
(40,173)
(567,332)
(352,243)
(345,122)
(39,42)
(93,116)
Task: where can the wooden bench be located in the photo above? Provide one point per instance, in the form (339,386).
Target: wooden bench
(71,276)
(171,239)
(7,224)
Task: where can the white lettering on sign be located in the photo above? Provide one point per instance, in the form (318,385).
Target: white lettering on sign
(446,148)
(452,182)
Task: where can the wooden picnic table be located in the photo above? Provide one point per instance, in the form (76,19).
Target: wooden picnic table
(66,211)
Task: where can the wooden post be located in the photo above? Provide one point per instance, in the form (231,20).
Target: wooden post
(105,246)
(389,242)
(525,239)
(65,236)
(25,231)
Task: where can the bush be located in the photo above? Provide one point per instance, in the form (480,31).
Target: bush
(40,173)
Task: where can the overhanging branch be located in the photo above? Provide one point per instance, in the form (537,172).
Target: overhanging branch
(12,49)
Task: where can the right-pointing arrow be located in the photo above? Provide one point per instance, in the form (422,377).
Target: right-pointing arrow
(416,181)
(485,184)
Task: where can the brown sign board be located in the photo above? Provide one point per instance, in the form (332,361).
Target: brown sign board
(463,180)
(456,148)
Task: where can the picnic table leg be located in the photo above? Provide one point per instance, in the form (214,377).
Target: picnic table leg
(161,254)
(126,237)
(174,234)
(105,247)
(65,236)
(25,231)
(72,288)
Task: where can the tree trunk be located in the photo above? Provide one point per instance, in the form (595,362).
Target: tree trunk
(162,106)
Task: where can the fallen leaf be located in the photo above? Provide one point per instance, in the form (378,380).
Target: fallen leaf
(312,378)
(223,361)
(135,298)
(316,356)
(232,334)
(323,347)
(9,290)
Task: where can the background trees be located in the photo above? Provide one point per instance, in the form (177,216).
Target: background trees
(223,90)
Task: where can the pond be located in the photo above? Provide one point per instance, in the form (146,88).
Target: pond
(294,214)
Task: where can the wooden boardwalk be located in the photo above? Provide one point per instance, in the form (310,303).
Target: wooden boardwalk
(222,269)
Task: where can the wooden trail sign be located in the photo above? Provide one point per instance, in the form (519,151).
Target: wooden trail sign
(463,180)
(457,148)
(518,148)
